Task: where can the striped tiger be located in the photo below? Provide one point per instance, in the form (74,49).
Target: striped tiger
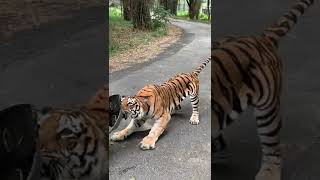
(73,141)
(246,71)
(159,102)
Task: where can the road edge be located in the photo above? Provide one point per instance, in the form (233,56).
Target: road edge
(184,39)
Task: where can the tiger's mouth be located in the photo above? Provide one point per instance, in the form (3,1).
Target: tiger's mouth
(51,167)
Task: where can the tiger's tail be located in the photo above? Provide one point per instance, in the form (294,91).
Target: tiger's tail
(286,22)
(202,66)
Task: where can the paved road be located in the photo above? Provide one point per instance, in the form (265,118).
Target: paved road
(301,97)
(62,64)
(184,151)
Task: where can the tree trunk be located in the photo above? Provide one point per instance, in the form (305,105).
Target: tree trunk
(174,4)
(164,3)
(33,12)
(170,5)
(141,14)
(127,10)
(194,8)
(208,9)
(198,6)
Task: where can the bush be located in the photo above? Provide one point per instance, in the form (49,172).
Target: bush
(160,17)
(203,16)
(182,14)
(114,12)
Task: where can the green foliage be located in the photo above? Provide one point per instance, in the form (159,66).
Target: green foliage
(114,12)
(203,16)
(182,14)
(122,36)
(117,28)
(185,16)
(160,17)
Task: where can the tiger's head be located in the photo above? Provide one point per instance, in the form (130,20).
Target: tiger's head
(71,145)
(134,107)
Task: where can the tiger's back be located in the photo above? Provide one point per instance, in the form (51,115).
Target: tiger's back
(168,96)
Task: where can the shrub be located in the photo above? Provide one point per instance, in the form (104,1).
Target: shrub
(160,17)
(114,12)
(203,16)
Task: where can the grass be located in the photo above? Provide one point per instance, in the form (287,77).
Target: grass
(123,36)
(184,15)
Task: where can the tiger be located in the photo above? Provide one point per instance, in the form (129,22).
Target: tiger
(73,140)
(247,72)
(159,102)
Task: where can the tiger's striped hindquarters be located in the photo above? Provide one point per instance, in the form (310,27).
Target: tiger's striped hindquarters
(246,71)
(158,102)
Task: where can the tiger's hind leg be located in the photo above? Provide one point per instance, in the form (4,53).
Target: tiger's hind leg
(159,126)
(220,148)
(133,126)
(219,144)
(269,124)
(173,112)
(194,119)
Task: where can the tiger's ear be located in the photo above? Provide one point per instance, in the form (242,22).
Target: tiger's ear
(43,113)
(122,98)
(46,109)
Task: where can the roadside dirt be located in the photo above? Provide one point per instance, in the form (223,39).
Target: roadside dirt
(145,52)
(17,15)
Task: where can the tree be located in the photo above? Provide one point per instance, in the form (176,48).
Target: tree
(127,8)
(194,8)
(33,12)
(209,10)
(170,5)
(141,14)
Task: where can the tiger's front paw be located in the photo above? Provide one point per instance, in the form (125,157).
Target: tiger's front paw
(269,172)
(194,119)
(119,136)
(148,143)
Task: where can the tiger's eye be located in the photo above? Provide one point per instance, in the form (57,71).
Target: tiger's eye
(71,143)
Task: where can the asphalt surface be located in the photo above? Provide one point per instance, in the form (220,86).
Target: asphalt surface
(184,150)
(301,98)
(61,64)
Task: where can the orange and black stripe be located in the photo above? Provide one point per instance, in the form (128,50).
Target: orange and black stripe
(246,71)
(286,22)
